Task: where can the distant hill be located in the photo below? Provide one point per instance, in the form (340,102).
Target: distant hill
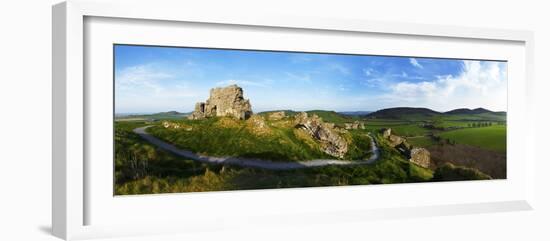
(466,111)
(287,112)
(168,115)
(355,113)
(403,112)
(464,114)
(331,116)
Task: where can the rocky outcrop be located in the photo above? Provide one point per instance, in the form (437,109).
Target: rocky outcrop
(396,140)
(354,125)
(325,133)
(175,125)
(257,125)
(416,155)
(277,115)
(420,156)
(386,133)
(226,101)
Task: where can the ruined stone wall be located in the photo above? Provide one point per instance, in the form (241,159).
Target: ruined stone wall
(224,101)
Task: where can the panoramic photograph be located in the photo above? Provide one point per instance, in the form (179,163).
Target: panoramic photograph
(204,119)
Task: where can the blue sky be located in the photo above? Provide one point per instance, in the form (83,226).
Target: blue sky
(154,79)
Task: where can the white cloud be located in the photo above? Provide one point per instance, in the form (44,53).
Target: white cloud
(368,71)
(300,58)
(408,90)
(340,68)
(372,82)
(241,83)
(140,77)
(306,78)
(481,84)
(144,88)
(415,63)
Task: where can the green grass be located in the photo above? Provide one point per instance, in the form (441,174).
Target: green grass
(228,137)
(331,116)
(423,141)
(491,138)
(409,130)
(136,159)
(476,117)
(141,168)
(360,146)
(156,116)
(450,172)
(399,127)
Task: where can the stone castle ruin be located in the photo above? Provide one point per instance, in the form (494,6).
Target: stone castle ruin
(223,101)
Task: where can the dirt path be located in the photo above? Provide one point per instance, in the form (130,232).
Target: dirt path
(256,163)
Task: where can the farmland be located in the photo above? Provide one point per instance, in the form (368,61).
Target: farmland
(462,146)
(491,138)
(142,168)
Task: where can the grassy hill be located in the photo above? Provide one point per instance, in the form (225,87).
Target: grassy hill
(473,141)
(466,111)
(332,116)
(423,114)
(403,113)
(141,168)
(277,141)
(491,137)
(355,113)
(169,115)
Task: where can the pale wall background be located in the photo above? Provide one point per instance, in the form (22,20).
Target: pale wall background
(25,134)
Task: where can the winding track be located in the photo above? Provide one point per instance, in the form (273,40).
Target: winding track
(256,163)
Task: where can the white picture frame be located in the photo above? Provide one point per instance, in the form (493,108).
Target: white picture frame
(71,110)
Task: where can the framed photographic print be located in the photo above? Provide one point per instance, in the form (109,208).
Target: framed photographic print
(306,121)
(174,112)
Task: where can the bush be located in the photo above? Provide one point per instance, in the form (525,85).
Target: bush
(450,172)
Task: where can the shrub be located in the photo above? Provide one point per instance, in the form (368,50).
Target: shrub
(450,172)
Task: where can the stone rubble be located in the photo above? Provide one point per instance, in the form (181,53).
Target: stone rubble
(417,155)
(278,115)
(420,156)
(325,133)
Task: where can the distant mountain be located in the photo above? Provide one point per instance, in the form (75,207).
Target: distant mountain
(466,111)
(169,113)
(402,112)
(287,112)
(355,113)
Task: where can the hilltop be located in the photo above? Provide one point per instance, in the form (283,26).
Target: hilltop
(402,112)
(467,111)
(411,113)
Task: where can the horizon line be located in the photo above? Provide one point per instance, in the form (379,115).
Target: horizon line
(313,109)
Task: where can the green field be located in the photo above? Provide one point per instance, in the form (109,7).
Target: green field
(141,168)
(400,127)
(492,137)
(170,115)
(278,141)
(421,141)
